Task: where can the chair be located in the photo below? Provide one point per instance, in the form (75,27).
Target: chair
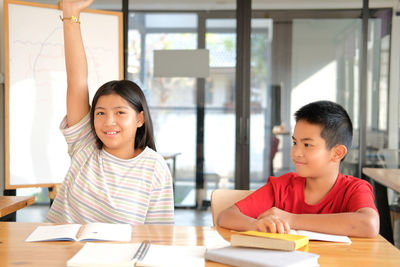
(53,191)
(390,158)
(224,198)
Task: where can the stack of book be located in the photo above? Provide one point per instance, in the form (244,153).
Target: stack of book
(253,249)
(286,242)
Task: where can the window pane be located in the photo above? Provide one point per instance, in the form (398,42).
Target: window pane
(172,101)
(219,129)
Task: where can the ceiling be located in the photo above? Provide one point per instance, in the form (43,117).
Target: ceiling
(231,4)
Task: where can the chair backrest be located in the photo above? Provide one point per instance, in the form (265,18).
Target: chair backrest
(389,158)
(224,198)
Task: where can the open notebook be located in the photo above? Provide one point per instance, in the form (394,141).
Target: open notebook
(106,254)
(79,232)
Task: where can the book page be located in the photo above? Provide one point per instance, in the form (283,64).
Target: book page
(174,256)
(322,237)
(106,232)
(54,233)
(103,254)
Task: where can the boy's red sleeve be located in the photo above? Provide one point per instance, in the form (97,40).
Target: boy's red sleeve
(361,196)
(258,202)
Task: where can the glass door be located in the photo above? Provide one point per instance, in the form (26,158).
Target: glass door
(308,57)
(296,57)
(219,119)
(264,103)
(172,101)
(194,119)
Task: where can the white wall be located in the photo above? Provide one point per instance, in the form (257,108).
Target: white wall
(1,100)
(394,95)
(2,42)
(231,4)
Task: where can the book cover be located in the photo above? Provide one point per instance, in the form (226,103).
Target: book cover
(256,257)
(78,232)
(276,241)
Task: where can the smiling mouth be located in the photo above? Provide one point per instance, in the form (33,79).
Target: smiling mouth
(111,133)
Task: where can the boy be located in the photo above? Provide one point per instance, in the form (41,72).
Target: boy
(317,197)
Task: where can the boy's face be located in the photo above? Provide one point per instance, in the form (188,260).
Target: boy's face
(309,153)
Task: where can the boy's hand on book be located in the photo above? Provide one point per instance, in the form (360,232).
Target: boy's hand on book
(274,220)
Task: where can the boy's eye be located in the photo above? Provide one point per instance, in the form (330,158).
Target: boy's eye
(120,112)
(294,142)
(307,145)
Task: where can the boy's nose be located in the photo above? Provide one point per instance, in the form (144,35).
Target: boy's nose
(296,151)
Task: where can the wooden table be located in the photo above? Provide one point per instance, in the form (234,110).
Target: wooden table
(384,178)
(387,177)
(10,204)
(15,252)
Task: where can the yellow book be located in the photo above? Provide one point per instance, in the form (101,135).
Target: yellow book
(257,239)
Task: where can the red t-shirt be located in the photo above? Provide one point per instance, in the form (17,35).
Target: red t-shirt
(287,193)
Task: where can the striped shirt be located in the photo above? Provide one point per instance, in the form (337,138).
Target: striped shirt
(100,187)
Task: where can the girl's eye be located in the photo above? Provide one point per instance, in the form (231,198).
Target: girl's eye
(100,113)
(307,145)
(294,143)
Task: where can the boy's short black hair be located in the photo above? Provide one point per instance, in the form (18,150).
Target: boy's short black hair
(337,128)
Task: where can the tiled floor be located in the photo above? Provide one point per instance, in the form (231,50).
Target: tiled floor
(37,213)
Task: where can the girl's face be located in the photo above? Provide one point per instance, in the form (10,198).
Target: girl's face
(115,123)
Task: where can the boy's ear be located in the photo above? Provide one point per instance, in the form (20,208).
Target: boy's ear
(339,152)
(140,119)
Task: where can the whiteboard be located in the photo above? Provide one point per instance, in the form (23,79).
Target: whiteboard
(36,151)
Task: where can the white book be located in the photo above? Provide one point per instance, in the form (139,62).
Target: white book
(257,257)
(322,237)
(103,254)
(79,232)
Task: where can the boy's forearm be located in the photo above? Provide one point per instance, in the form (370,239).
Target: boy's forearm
(232,218)
(357,224)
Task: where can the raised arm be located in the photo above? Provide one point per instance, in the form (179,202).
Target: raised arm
(75,61)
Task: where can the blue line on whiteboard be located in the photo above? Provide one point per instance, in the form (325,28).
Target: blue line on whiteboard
(41,49)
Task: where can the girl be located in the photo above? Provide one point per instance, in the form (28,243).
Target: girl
(115,174)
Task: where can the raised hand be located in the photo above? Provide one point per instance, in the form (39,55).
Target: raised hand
(75,61)
(74,7)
